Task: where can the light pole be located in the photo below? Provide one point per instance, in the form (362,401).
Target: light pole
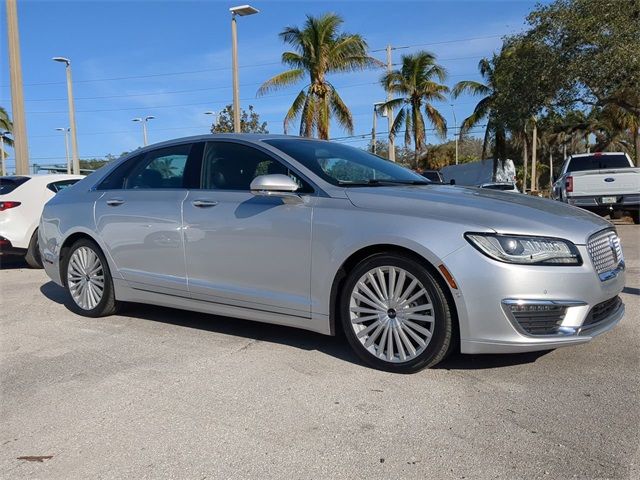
(72,115)
(2,137)
(392,146)
(66,146)
(243,11)
(215,118)
(455,128)
(143,121)
(374,127)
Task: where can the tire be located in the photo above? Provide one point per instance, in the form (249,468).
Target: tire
(635,216)
(32,257)
(616,215)
(368,326)
(81,273)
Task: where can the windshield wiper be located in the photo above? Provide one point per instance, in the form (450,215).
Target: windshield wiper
(375,182)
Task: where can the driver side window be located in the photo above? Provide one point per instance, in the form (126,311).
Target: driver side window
(233,166)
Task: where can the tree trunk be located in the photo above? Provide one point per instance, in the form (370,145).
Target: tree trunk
(534,148)
(525,159)
(636,141)
(550,169)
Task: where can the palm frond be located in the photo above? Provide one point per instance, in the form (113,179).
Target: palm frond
(341,111)
(437,120)
(471,87)
(281,80)
(295,109)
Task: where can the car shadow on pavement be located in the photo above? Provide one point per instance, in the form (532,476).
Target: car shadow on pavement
(305,340)
(11,262)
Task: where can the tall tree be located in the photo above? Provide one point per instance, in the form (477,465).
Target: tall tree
(416,85)
(320,49)
(249,121)
(6,125)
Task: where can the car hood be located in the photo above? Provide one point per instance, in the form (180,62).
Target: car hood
(482,209)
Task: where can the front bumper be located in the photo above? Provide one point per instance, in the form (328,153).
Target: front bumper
(487,288)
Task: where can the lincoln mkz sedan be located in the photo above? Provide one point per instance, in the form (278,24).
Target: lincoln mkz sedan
(322,236)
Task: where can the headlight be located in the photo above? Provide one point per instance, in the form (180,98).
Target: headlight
(525,250)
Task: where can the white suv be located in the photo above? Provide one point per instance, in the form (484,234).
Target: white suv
(22,199)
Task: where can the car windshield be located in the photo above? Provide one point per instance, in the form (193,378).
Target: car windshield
(346,166)
(9,184)
(598,162)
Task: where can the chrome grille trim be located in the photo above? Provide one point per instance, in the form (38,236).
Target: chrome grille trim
(606,254)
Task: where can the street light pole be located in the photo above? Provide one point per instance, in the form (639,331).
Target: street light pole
(215,119)
(20,145)
(143,121)
(242,10)
(455,128)
(72,115)
(392,147)
(375,126)
(66,146)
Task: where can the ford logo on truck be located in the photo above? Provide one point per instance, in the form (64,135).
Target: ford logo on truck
(609,179)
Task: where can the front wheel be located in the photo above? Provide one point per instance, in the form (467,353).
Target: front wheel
(88,280)
(395,314)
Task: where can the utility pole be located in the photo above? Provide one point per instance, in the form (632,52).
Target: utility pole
(72,115)
(392,147)
(20,146)
(66,146)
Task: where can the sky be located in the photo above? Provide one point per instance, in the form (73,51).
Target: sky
(172,59)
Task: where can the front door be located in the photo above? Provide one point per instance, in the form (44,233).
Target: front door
(247,250)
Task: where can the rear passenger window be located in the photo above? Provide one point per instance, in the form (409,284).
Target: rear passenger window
(162,169)
(57,186)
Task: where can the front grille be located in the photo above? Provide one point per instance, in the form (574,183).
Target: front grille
(601,311)
(605,251)
(544,322)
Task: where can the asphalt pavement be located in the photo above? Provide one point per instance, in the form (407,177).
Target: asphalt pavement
(160,393)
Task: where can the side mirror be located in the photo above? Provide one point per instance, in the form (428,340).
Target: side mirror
(276,185)
(452,181)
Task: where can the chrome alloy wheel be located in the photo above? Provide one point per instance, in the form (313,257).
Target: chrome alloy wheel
(391,314)
(85,278)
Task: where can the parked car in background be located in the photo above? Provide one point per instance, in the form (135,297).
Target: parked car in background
(433,175)
(322,236)
(21,201)
(605,183)
(500,186)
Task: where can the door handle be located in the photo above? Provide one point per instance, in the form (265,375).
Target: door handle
(204,203)
(114,202)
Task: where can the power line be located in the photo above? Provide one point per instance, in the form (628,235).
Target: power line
(207,70)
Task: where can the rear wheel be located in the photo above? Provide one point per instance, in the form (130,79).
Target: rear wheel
(88,280)
(635,215)
(395,314)
(32,256)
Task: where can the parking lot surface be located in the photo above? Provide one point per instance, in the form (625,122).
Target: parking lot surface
(161,393)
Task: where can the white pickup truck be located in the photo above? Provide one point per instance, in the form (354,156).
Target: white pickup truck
(605,183)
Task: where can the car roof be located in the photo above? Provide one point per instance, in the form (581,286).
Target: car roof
(596,154)
(250,137)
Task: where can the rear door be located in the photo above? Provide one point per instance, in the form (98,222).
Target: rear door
(139,218)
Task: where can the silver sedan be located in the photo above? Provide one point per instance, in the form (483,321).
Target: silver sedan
(323,236)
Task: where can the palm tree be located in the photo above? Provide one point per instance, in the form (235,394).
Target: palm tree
(485,107)
(320,49)
(6,125)
(416,84)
